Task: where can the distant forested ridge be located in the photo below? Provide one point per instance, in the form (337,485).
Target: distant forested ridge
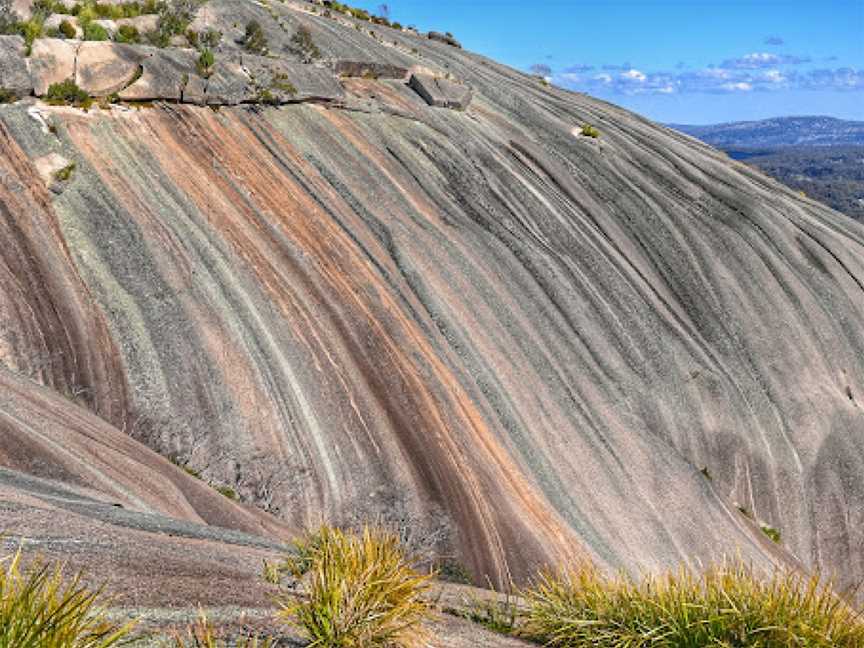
(821,156)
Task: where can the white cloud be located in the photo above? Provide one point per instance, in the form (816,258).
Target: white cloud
(635,75)
(742,86)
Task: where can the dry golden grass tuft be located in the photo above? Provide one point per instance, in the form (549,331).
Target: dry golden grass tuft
(354,590)
(728,605)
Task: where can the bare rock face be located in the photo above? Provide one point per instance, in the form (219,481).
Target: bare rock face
(52,60)
(104,68)
(527,345)
(144,24)
(284,82)
(441,92)
(229,85)
(14,75)
(165,75)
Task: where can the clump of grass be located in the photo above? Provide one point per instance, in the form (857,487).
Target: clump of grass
(65,173)
(202,635)
(590,131)
(39,608)
(357,589)
(772,533)
(498,615)
(95,32)
(227,491)
(728,605)
(127,34)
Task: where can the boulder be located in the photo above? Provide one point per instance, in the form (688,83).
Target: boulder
(55,20)
(441,92)
(164,76)
(144,24)
(371,70)
(22,8)
(14,75)
(284,82)
(52,60)
(444,38)
(105,68)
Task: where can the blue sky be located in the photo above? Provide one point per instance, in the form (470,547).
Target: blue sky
(692,62)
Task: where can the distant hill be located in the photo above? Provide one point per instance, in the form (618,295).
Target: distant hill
(780,131)
(821,156)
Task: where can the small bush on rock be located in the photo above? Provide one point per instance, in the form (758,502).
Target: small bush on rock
(358,589)
(67,29)
(94,32)
(128,34)
(205,63)
(589,131)
(303,46)
(67,92)
(254,39)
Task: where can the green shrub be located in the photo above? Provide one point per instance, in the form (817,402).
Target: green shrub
(589,131)
(358,589)
(7,96)
(254,39)
(65,173)
(127,34)
(772,533)
(205,63)
(227,491)
(39,608)
(727,606)
(95,32)
(30,30)
(67,29)
(67,92)
(302,45)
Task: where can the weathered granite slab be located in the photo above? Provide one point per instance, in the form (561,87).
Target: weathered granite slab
(441,92)
(367,69)
(104,68)
(144,24)
(52,60)
(14,75)
(285,82)
(228,85)
(165,74)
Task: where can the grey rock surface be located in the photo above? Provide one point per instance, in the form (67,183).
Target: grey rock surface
(441,92)
(14,73)
(165,75)
(144,24)
(288,82)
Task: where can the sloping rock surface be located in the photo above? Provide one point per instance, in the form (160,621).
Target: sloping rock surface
(14,74)
(103,68)
(525,345)
(441,92)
